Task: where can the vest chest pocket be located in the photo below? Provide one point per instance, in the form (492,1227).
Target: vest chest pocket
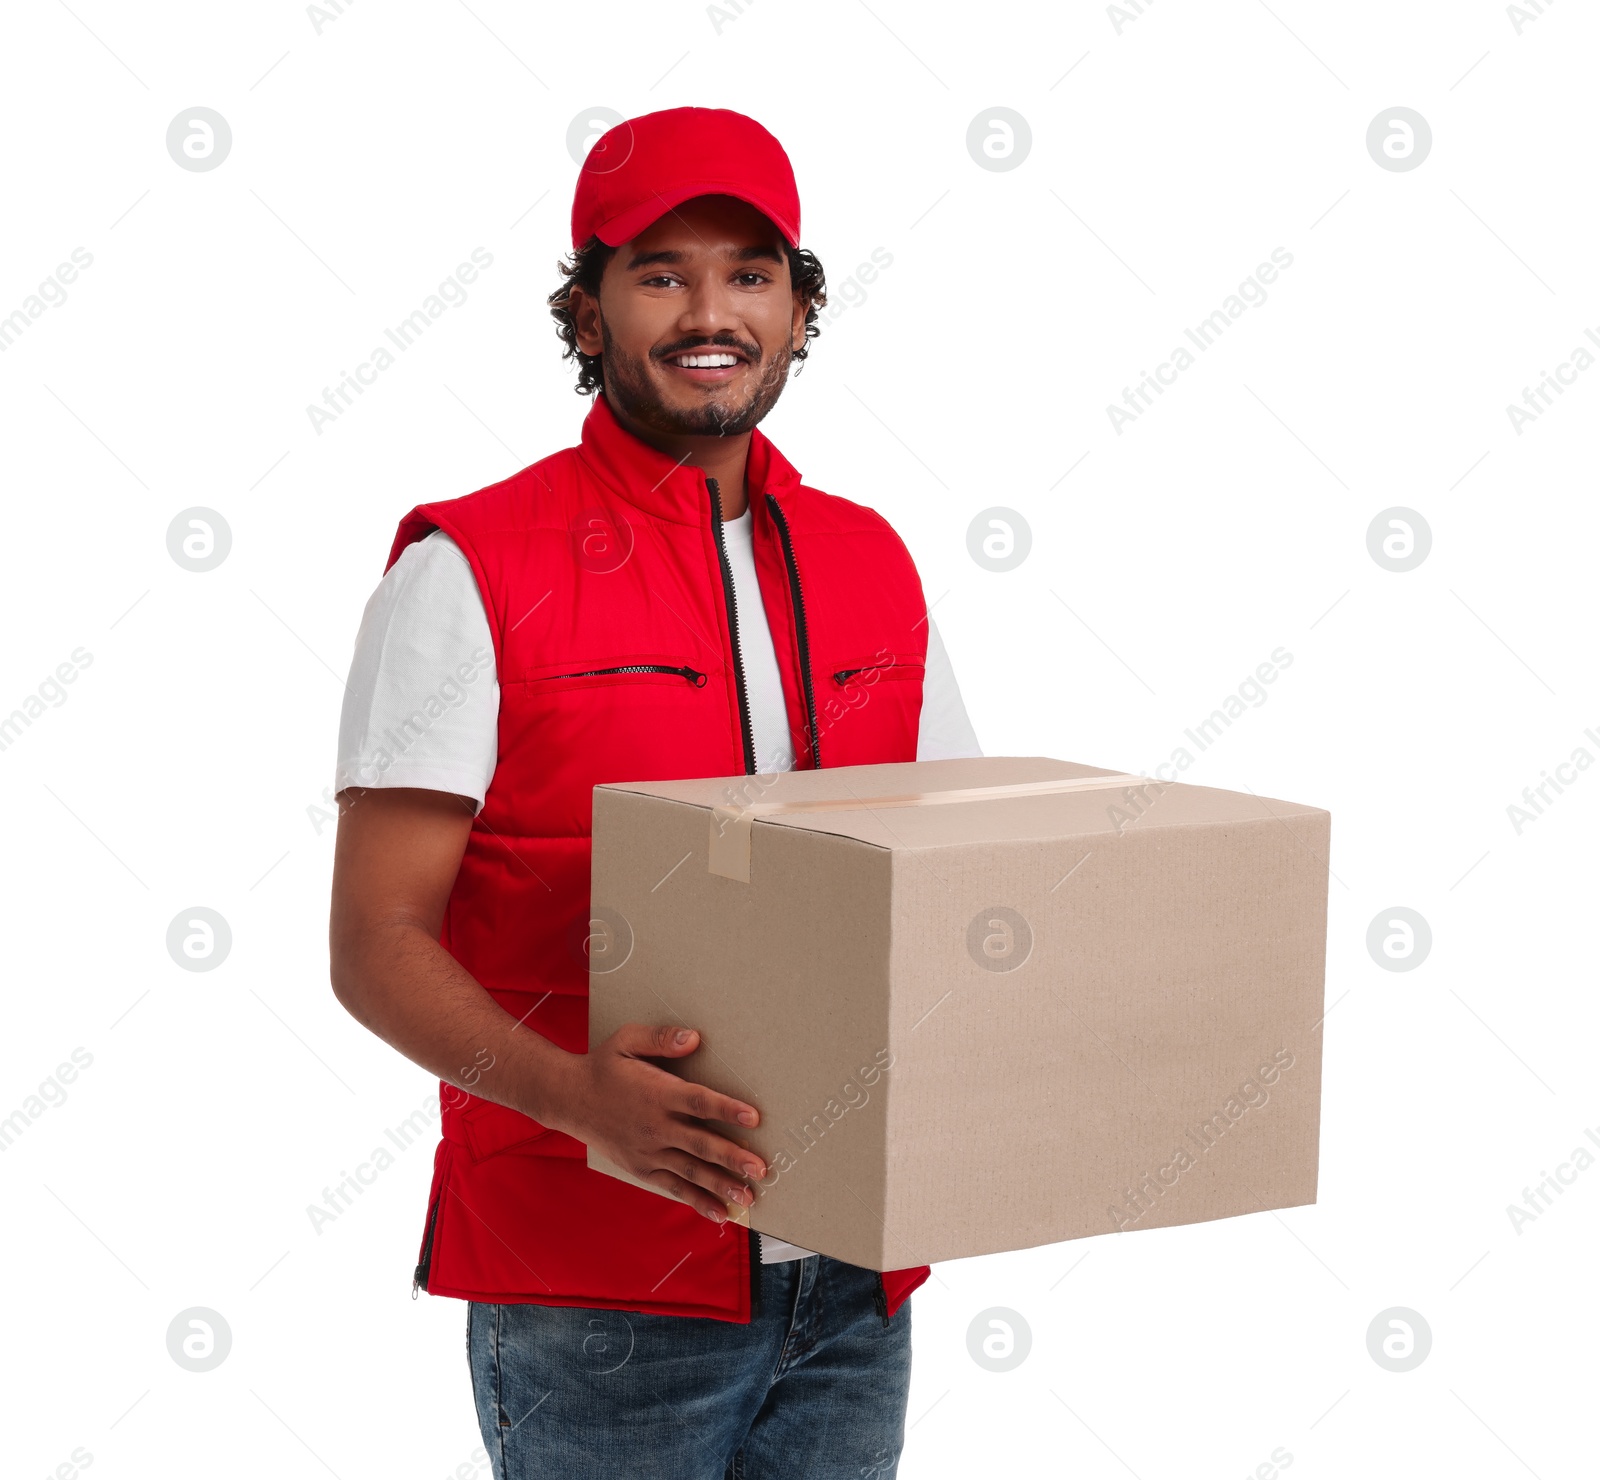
(615,716)
(868,706)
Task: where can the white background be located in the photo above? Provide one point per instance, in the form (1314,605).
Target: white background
(1171,152)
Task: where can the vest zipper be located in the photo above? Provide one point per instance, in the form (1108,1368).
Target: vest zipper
(733,629)
(755,1274)
(694,676)
(419,1280)
(801,635)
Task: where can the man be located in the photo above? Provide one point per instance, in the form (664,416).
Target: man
(666,599)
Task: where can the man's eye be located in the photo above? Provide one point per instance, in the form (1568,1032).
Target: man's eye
(753,278)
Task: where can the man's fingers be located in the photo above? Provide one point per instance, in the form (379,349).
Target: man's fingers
(707,1104)
(707,1189)
(672,1145)
(686,1192)
(724,1185)
(667,1041)
(708,1147)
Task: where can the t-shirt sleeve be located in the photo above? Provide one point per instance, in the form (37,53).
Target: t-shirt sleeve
(422,705)
(944,732)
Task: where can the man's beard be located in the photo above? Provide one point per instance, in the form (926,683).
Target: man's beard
(628,386)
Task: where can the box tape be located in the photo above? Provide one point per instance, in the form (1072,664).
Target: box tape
(730,825)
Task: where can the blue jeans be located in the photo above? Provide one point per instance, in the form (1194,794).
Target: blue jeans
(814,1388)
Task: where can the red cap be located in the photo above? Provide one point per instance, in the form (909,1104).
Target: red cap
(643,167)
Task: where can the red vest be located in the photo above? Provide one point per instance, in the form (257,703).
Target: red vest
(611,607)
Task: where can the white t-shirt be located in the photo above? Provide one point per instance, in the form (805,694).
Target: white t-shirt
(425,630)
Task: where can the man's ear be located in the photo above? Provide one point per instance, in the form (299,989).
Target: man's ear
(586,321)
(797,325)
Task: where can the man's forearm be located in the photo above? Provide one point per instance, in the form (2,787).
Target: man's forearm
(402,984)
(395,865)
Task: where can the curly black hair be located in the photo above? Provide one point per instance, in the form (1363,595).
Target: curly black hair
(583,267)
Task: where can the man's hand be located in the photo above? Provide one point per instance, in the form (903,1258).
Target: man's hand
(650,1122)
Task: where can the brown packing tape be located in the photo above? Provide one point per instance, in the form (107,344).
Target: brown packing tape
(730,825)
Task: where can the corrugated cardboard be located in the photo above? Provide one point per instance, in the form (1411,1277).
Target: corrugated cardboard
(981,1024)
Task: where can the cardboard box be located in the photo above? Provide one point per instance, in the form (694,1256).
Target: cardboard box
(1082,1003)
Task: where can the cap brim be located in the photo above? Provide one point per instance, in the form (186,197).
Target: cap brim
(630,223)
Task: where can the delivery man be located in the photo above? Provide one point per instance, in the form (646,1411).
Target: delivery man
(666,599)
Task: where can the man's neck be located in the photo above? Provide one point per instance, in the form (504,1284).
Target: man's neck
(719,458)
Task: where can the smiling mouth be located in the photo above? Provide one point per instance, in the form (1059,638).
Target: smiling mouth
(704,361)
(707,366)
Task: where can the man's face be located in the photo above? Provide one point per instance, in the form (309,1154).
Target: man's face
(709,278)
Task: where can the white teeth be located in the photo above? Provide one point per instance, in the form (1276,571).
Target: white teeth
(705,362)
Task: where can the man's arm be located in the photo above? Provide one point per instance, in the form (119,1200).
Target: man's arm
(395,861)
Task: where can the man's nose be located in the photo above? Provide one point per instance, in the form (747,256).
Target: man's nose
(710,308)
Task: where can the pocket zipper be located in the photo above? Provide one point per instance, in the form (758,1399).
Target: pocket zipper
(844,675)
(697,678)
